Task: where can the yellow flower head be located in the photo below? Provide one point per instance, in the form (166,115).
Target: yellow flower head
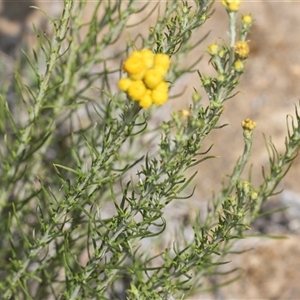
(241,48)
(152,78)
(124,84)
(248,125)
(146,100)
(148,57)
(247,19)
(160,93)
(137,76)
(135,63)
(163,86)
(232,5)
(136,90)
(213,49)
(162,60)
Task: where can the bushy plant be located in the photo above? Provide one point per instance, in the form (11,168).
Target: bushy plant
(86,175)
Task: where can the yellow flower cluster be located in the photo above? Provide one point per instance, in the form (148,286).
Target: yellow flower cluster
(231,5)
(248,125)
(145,82)
(241,48)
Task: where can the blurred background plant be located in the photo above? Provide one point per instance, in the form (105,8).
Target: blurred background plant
(87,176)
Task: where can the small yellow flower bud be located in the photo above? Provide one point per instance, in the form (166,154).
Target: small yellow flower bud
(206,80)
(222,53)
(246,186)
(247,19)
(185,113)
(213,49)
(239,66)
(221,78)
(254,195)
(241,48)
(196,96)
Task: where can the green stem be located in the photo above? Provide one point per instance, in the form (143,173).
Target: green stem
(232,34)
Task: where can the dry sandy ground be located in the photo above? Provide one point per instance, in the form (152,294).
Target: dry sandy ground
(268,91)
